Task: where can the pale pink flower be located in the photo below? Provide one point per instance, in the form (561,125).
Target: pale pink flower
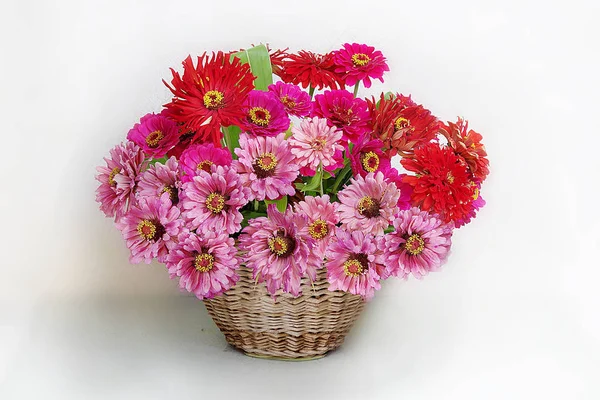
(420,244)
(119,178)
(212,201)
(368,204)
(354,263)
(150,229)
(266,166)
(205,263)
(322,218)
(160,178)
(315,143)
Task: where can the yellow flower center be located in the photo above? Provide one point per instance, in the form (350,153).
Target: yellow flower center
(368,206)
(204,262)
(111,176)
(150,230)
(401,123)
(205,165)
(289,103)
(450,178)
(476,194)
(264,165)
(173,193)
(360,59)
(154,138)
(318,229)
(318,144)
(414,244)
(278,245)
(215,202)
(353,268)
(259,116)
(213,99)
(370,161)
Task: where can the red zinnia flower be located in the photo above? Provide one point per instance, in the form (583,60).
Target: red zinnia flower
(401,124)
(442,183)
(210,94)
(309,69)
(467,144)
(359,62)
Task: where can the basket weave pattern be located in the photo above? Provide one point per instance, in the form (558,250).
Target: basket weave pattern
(284,327)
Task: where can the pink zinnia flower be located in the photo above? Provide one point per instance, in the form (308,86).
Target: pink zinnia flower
(367,156)
(264,114)
(158,179)
(205,263)
(150,229)
(343,111)
(420,243)
(267,166)
(477,203)
(354,263)
(119,178)
(315,143)
(368,204)
(155,134)
(359,62)
(322,218)
(392,176)
(212,201)
(295,100)
(202,157)
(278,250)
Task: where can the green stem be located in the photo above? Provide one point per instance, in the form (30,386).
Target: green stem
(226,138)
(255,205)
(311,91)
(356,88)
(321,180)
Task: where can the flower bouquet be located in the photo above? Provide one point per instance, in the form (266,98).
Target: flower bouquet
(277,203)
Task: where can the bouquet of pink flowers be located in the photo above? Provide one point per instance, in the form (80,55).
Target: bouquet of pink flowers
(290,177)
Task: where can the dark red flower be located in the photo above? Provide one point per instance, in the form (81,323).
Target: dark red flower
(467,144)
(401,124)
(209,95)
(309,69)
(441,183)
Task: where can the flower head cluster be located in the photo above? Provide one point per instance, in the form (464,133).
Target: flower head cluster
(290,184)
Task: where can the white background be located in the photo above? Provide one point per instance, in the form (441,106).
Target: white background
(513,315)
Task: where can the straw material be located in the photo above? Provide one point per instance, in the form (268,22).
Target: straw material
(305,327)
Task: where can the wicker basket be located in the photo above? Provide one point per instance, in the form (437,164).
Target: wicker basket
(306,327)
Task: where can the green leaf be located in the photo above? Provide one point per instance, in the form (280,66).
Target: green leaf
(342,178)
(260,65)
(281,203)
(312,184)
(387,96)
(159,160)
(232,138)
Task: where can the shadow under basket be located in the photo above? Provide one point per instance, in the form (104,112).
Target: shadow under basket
(301,328)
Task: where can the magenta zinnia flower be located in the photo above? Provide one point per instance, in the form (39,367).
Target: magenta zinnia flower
(295,100)
(119,178)
(477,203)
(267,166)
(155,134)
(354,263)
(368,204)
(158,179)
(367,156)
(343,111)
(315,143)
(264,114)
(322,218)
(205,263)
(278,250)
(420,243)
(359,62)
(212,201)
(150,229)
(202,157)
